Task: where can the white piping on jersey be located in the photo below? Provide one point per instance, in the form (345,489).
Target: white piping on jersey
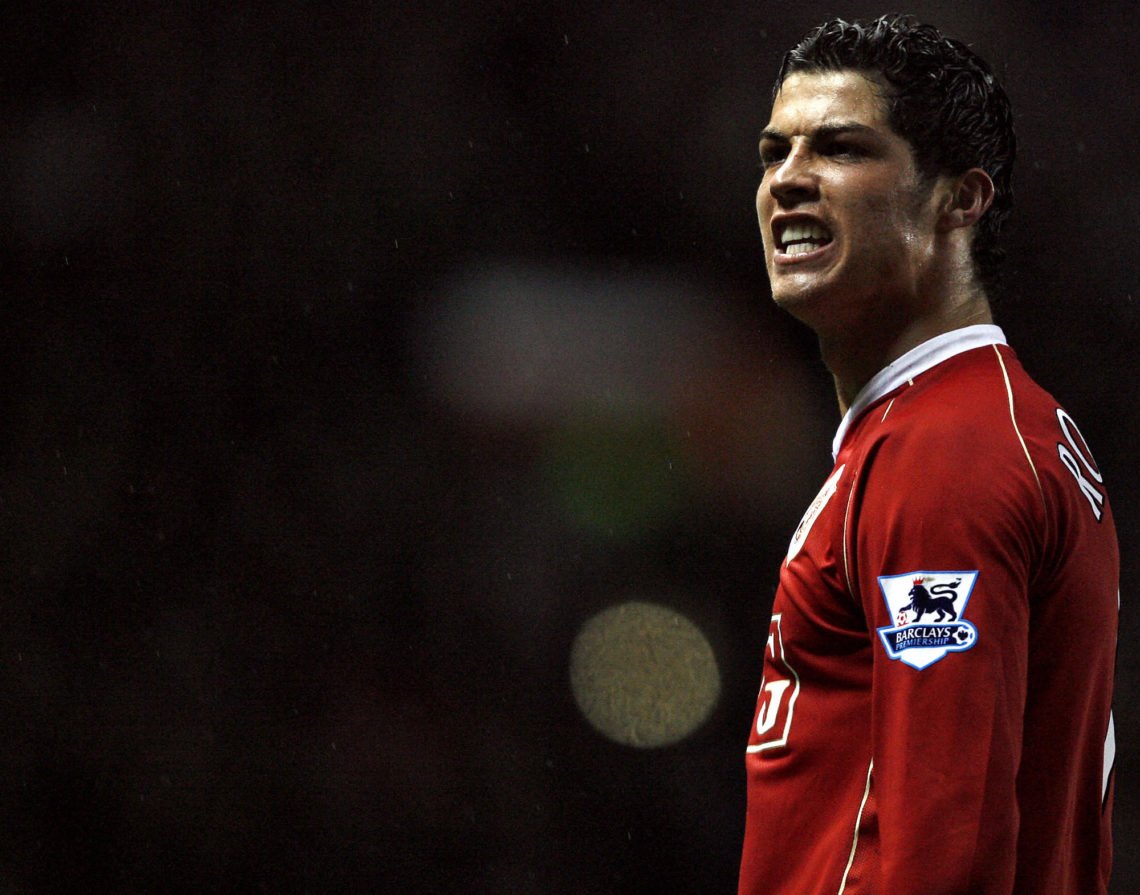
(916,361)
(846,520)
(858,823)
(1013,419)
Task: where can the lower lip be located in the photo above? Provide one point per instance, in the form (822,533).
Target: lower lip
(783,260)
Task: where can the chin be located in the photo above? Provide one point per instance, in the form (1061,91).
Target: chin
(802,303)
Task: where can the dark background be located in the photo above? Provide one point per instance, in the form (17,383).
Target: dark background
(355,356)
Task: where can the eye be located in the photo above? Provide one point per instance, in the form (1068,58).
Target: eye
(772,155)
(842,148)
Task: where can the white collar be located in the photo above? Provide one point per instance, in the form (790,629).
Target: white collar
(916,361)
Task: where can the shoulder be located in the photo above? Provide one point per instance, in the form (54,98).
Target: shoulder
(962,421)
(978,435)
(1061,459)
(943,471)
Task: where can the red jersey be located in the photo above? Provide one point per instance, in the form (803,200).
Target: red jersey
(934,716)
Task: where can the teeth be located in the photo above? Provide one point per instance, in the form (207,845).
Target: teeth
(803,236)
(800,248)
(805,230)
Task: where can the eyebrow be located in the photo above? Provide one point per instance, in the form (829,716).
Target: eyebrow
(824,131)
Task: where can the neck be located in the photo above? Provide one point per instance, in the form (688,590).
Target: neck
(853,356)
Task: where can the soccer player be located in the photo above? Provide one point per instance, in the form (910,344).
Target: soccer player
(934,713)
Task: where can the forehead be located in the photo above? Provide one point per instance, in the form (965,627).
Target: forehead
(809,100)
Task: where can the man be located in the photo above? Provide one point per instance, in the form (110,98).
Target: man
(934,714)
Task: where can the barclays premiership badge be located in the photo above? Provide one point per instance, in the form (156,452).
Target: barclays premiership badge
(927,608)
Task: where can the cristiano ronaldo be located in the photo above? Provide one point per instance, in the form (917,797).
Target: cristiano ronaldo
(934,715)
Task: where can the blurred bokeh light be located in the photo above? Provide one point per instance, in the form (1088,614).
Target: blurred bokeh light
(643,674)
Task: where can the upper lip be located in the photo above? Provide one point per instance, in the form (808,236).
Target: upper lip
(782,222)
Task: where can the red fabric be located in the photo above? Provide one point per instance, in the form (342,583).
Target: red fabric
(980,773)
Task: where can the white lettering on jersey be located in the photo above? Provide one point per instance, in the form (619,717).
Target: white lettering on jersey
(825,494)
(1078,459)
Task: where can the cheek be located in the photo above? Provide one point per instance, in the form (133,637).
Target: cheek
(888,224)
(763,210)
(913,232)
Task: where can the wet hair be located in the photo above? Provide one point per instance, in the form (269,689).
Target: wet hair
(943,99)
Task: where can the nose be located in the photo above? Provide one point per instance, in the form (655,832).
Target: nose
(794,181)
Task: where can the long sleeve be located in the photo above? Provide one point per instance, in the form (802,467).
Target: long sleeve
(943,556)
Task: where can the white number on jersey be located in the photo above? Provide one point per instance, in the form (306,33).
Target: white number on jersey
(778,692)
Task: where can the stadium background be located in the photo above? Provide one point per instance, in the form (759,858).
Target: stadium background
(358,356)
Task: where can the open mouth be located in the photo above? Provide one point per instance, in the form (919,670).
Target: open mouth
(800,237)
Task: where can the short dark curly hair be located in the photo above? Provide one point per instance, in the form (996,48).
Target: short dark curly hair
(944,100)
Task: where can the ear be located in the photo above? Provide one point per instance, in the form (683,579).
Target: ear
(970,195)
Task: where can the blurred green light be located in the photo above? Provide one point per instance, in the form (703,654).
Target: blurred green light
(615,476)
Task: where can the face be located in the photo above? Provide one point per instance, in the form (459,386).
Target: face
(847,223)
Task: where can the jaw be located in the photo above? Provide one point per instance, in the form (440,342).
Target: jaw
(800,282)
(807,302)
